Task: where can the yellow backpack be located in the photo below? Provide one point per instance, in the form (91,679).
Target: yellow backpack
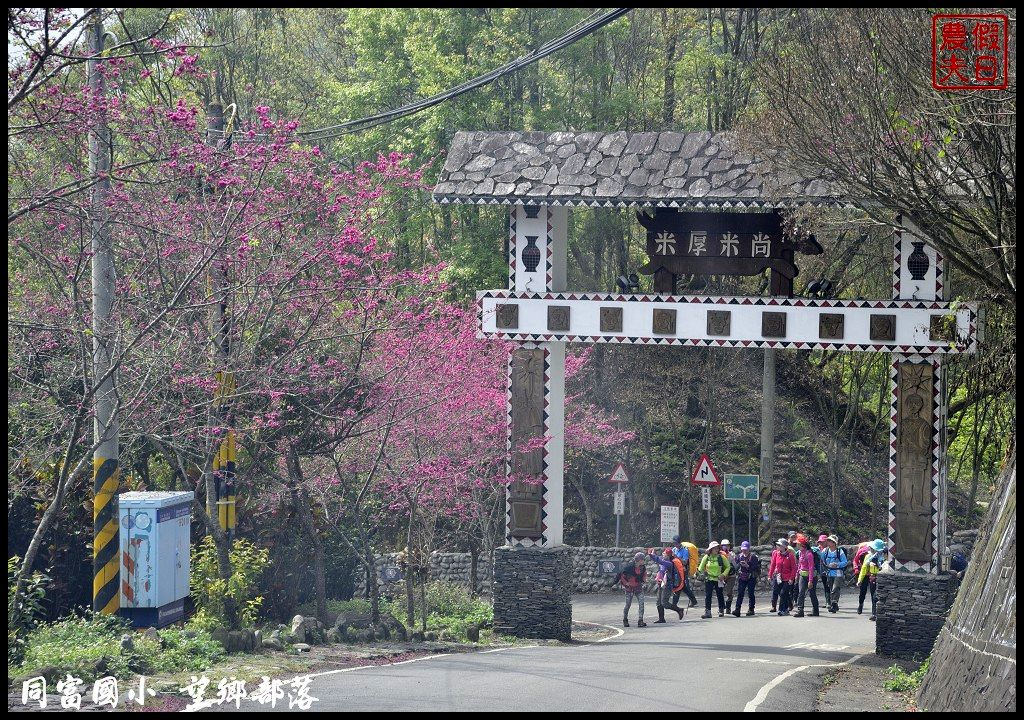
(694,558)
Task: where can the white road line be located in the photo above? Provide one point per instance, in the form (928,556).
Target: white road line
(762,694)
(478,652)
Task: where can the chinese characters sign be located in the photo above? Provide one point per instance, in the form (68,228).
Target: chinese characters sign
(970,52)
(721,244)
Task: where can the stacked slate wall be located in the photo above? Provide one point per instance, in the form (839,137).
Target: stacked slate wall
(974,661)
(455,567)
(533,592)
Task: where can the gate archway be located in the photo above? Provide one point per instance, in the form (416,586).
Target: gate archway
(694,183)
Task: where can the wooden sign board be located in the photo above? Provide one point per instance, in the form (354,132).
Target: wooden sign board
(717,243)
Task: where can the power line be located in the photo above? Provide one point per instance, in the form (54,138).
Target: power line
(573,35)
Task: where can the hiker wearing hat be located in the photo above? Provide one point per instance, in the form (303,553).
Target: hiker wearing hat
(748,568)
(715,568)
(632,580)
(671,580)
(782,570)
(834,560)
(806,569)
(819,567)
(730,581)
(687,552)
(869,570)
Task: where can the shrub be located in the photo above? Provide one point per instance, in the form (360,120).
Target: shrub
(182,652)
(248,563)
(31,607)
(77,644)
(453,608)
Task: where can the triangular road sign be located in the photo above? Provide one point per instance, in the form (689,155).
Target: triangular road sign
(619,475)
(705,474)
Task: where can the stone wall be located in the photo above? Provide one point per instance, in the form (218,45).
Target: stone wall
(974,661)
(911,609)
(454,567)
(533,592)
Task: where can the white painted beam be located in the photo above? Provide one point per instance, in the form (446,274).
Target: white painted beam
(803,318)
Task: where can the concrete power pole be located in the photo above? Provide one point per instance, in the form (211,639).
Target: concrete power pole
(224,460)
(768,438)
(106,469)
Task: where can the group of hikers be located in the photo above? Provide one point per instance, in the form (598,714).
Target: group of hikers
(797,564)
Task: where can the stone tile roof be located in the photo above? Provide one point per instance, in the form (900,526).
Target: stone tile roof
(617,169)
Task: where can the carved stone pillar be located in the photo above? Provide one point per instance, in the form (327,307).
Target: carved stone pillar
(536,408)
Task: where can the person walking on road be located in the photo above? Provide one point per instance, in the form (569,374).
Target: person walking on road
(862,552)
(806,567)
(730,581)
(632,580)
(826,585)
(672,579)
(869,573)
(834,560)
(687,552)
(782,569)
(715,568)
(748,568)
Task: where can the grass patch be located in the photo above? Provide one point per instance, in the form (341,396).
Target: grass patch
(89,647)
(901,681)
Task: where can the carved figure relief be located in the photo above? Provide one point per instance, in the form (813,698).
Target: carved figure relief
(664,321)
(719,322)
(883,328)
(773,324)
(611,319)
(831,326)
(913,507)
(558,318)
(506,316)
(527,423)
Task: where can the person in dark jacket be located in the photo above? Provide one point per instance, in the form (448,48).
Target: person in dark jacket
(632,578)
(747,568)
(673,578)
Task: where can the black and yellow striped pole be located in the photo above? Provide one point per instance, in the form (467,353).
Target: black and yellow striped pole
(224,461)
(106,471)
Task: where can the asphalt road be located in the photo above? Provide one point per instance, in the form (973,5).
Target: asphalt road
(763,662)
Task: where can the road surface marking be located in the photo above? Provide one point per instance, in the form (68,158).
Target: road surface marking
(762,694)
(756,660)
(816,646)
(480,652)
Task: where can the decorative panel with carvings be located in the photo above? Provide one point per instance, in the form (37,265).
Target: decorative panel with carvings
(913,504)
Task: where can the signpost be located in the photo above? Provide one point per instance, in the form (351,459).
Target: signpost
(620,478)
(705,475)
(705,498)
(742,487)
(669,522)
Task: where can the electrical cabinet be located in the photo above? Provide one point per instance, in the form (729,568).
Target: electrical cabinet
(155,554)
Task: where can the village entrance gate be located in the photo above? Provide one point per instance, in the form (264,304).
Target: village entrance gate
(715,211)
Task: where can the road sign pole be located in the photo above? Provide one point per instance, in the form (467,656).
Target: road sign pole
(709,526)
(749,531)
(617,530)
(733,538)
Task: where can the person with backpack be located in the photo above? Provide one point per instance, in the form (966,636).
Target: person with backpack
(869,570)
(819,568)
(631,578)
(748,568)
(862,552)
(782,570)
(715,569)
(671,580)
(730,581)
(806,568)
(834,562)
(687,552)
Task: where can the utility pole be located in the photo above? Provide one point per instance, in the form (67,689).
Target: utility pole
(768,435)
(106,472)
(224,460)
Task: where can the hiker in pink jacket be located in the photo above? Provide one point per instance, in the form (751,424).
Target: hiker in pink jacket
(806,569)
(782,570)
